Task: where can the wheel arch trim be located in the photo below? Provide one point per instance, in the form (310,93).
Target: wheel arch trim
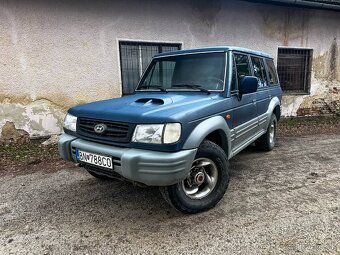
(206,127)
(274,102)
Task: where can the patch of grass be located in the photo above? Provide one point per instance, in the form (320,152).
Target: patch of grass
(315,120)
(309,125)
(30,158)
(28,152)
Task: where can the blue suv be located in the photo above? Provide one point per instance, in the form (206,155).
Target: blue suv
(191,112)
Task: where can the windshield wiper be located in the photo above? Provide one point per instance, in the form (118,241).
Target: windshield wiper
(154,87)
(191,86)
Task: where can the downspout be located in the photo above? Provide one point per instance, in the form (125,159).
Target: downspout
(310,4)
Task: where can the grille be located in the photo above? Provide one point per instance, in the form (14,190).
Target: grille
(115,132)
(102,171)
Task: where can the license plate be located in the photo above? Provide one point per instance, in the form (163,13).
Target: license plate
(94,159)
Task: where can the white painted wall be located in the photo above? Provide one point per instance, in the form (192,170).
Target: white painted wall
(54,55)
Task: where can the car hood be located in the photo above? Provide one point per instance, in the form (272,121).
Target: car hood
(151,107)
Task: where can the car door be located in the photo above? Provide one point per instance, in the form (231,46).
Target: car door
(244,111)
(262,95)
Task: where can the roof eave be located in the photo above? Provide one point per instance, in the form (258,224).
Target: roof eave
(301,3)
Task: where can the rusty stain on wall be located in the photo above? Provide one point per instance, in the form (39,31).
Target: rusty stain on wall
(326,66)
(333,60)
(11,98)
(319,67)
(326,99)
(285,25)
(59,100)
(205,16)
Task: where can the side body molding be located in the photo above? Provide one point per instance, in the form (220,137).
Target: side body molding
(206,127)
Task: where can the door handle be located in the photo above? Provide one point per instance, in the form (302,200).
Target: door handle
(254,101)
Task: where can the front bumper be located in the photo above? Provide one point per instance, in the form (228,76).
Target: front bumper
(152,168)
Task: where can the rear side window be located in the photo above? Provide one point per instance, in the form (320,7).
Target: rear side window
(242,66)
(272,76)
(259,71)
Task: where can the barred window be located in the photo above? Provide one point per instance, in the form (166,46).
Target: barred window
(134,59)
(294,69)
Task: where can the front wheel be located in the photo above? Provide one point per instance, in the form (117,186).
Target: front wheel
(206,184)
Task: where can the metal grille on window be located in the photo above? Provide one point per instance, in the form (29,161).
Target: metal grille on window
(294,69)
(134,59)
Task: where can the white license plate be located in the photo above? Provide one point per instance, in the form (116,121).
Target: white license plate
(94,159)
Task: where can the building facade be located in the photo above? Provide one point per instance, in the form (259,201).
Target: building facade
(57,54)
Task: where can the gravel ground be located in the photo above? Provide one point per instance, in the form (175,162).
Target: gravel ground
(283,202)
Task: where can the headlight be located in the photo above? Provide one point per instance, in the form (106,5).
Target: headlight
(70,122)
(148,134)
(172,132)
(154,133)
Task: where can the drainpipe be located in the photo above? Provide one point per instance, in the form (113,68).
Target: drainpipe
(302,3)
(311,4)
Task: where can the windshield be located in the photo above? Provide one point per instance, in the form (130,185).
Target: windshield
(203,72)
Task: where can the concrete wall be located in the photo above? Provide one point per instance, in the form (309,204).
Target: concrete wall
(56,54)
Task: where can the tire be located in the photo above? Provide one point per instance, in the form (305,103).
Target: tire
(267,141)
(210,161)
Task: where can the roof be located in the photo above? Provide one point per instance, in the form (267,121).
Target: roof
(333,5)
(212,49)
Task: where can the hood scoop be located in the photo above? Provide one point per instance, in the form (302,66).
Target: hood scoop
(149,101)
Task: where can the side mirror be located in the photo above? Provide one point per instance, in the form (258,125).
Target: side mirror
(248,85)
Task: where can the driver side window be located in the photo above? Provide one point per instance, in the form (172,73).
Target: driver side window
(241,68)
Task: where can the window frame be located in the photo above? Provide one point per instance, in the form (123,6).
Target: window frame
(159,44)
(307,78)
(233,92)
(236,92)
(264,73)
(226,64)
(267,69)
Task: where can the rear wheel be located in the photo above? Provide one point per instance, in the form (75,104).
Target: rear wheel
(267,141)
(206,184)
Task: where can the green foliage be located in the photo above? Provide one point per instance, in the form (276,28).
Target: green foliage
(28,152)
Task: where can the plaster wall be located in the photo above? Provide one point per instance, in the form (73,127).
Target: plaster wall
(57,54)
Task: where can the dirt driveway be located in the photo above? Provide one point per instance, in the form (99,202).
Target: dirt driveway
(283,202)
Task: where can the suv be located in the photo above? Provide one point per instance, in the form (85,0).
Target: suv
(191,112)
